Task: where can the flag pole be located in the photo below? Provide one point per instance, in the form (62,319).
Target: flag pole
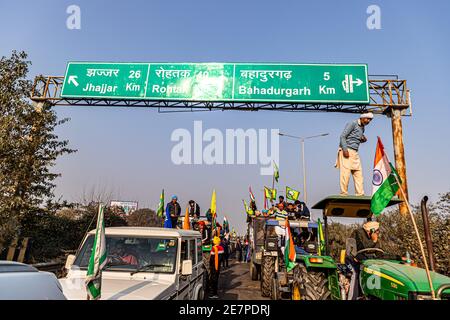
(271,191)
(427,270)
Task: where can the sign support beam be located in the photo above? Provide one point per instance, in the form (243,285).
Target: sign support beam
(399,154)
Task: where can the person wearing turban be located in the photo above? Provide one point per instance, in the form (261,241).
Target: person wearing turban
(214,265)
(348,161)
(366,237)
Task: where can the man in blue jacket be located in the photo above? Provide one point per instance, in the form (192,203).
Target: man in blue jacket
(173,211)
(348,160)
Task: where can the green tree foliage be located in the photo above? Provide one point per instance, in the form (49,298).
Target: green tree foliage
(398,236)
(53,233)
(28,148)
(144,218)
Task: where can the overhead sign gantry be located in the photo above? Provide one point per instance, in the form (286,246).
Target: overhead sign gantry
(233,82)
(232,86)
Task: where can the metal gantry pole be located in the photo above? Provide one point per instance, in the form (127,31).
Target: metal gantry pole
(304,170)
(302,147)
(399,154)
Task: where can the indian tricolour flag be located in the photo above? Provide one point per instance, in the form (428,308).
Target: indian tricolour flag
(97,260)
(384,180)
(289,250)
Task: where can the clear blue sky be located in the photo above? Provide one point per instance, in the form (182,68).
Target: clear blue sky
(127,151)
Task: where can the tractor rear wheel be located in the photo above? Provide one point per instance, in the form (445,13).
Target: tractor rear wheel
(310,284)
(267,274)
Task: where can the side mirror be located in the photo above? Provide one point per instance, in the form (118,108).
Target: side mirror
(350,246)
(186,268)
(69,261)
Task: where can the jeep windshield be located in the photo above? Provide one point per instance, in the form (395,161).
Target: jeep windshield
(157,255)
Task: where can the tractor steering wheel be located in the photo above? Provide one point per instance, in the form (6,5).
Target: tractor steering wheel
(369,250)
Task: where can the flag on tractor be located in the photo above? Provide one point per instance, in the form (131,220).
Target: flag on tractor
(160,211)
(276,173)
(289,250)
(247,209)
(292,194)
(186,222)
(384,182)
(213,204)
(270,194)
(167,219)
(226,225)
(321,237)
(97,260)
(265,200)
(252,196)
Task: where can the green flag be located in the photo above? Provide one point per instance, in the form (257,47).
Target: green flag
(97,259)
(271,194)
(160,211)
(276,173)
(321,237)
(247,209)
(292,194)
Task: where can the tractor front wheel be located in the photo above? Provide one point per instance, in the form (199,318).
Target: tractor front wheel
(253,271)
(267,274)
(310,284)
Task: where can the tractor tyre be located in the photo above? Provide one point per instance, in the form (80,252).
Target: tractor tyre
(253,271)
(275,295)
(267,274)
(309,284)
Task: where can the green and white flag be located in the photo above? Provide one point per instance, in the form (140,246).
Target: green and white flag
(292,194)
(384,181)
(276,172)
(160,211)
(97,260)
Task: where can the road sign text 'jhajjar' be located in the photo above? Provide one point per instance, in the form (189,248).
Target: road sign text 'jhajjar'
(228,82)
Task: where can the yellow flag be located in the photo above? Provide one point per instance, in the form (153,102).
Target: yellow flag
(186,224)
(213,203)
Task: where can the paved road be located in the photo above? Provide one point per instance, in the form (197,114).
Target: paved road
(235,283)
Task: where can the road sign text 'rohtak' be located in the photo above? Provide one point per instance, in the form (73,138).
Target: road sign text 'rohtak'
(240,82)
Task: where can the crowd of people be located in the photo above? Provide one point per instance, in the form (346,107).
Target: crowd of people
(212,234)
(281,210)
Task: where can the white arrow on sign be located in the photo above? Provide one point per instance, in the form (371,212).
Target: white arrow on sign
(358,82)
(73,79)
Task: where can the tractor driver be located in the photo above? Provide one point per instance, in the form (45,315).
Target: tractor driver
(366,237)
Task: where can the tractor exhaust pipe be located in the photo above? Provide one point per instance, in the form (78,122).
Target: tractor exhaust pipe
(427,231)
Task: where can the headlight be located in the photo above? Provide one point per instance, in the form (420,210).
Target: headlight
(316,260)
(271,245)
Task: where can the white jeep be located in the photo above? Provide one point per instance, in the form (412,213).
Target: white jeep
(142,263)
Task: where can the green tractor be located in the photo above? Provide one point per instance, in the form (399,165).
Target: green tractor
(255,233)
(315,275)
(379,278)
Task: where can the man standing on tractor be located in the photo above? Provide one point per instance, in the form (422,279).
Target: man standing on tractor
(301,210)
(348,160)
(281,201)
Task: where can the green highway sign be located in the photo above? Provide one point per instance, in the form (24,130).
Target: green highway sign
(232,82)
